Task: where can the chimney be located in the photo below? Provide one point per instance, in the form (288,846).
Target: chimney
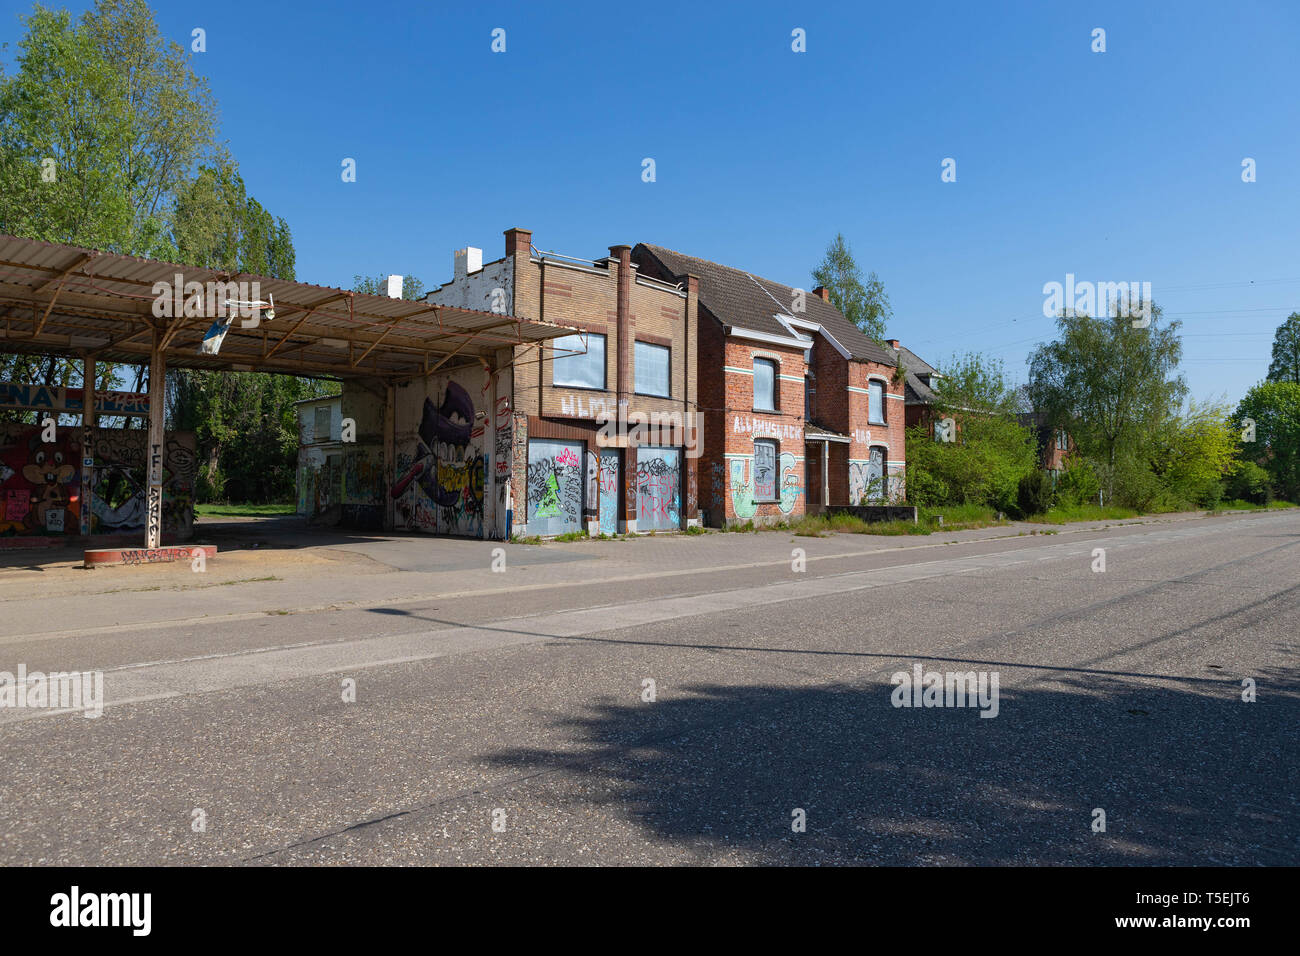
(394,287)
(519,242)
(466,261)
(822,293)
(623,368)
(892,343)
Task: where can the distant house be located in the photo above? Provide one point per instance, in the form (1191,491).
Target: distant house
(320,454)
(801,409)
(1054,444)
(919,380)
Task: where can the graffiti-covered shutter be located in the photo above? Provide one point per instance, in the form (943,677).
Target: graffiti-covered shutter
(555,480)
(658,489)
(609,491)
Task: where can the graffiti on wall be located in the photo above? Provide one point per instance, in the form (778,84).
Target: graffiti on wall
(867,479)
(441,475)
(608,490)
(658,489)
(40,482)
(554,486)
(120,497)
(745,483)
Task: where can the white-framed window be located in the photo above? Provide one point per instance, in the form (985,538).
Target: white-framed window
(876,402)
(585,369)
(1062,441)
(653,365)
(765,484)
(765,385)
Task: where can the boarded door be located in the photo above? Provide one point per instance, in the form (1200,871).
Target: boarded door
(658,489)
(609,491)
(554,487)
(876,475)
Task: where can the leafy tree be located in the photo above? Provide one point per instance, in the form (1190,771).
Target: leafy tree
(975,382)
(122,115)
(864,303)
(1109,385)
(412,288)
(1285,366)
(1191,452)
(1274,408)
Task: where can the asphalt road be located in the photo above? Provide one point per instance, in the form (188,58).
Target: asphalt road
(510,724)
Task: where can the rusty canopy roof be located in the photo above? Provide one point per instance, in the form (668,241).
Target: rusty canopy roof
(65,300)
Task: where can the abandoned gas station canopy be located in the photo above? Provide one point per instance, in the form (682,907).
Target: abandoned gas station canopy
(58,299)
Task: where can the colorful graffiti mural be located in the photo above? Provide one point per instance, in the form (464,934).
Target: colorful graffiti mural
(783,485)
(40,482)
(441,475)
(554,487)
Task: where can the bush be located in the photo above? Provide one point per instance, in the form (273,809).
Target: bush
(1035,494)
(1077,484)
(210,485)
(1249,482)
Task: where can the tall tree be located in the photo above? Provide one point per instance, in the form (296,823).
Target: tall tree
(100,124)
(1285,366)
(1108,383)
(1274,410)
(863,302)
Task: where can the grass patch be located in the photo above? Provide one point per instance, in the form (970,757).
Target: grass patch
(571,536)
(961,517)
(1240,504)
(816,526)
(242,511)
(1065,514)
(525,539)
(695,529)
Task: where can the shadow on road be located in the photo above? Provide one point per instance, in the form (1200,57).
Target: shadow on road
(1186,774)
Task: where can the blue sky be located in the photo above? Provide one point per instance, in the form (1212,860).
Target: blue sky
(1115,166)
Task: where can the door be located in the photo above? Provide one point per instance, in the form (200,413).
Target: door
(609,491)
(554,487)
(876,475)
(658,489)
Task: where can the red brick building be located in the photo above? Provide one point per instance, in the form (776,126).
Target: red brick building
(800,408)
(547,417)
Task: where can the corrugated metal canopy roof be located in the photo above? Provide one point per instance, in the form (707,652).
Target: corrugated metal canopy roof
(62,299)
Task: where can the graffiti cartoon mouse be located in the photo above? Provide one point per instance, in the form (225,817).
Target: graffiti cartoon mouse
(48,473)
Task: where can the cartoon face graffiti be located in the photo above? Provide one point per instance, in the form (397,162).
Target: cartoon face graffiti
(48,473)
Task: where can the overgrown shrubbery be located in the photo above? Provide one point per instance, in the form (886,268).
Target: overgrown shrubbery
(982,467)
(1036,494)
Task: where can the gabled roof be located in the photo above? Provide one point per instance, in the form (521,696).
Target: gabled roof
(916,388)
(744,301)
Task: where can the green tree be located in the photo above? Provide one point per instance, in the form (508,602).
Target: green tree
(1274,409)
(121,114)
(412,288)
(1191,453)
(975,382)
(863,302)
(1285,366)
(1109,385)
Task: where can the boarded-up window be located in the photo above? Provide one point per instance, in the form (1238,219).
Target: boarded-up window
(321,424)
(765,471)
